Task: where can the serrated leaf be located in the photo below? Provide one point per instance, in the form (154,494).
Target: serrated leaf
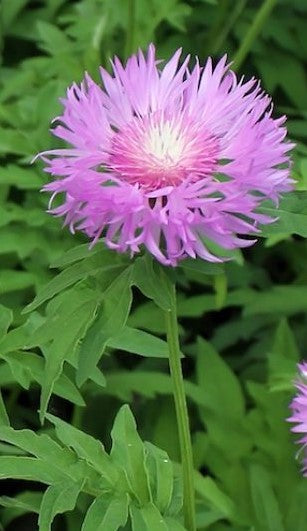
(128,452)
(106,514)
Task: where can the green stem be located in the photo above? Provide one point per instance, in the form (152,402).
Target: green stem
(253,32)
(228,24)
(181,414)
(129,48)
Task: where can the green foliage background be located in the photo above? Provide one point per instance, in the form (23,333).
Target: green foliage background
(83,342)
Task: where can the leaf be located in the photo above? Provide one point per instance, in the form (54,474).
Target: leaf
(86,447)
(139,342)
(58,499)
(283,358)
(28,468)
(20,177)
(6,318)
(15,280)
(27,367)
(161,474)
(280,300)
(221,389)
(42,446)
(110,321)
(224,408)
(128,452)
(201,266)
(147,518)
(71,275)
(264,500)
(4,419)
(149,384)
(25,502)
(74,326)
(54,41)
(292,215)
(153,284)
(207,488)
(106,514)
(80,252)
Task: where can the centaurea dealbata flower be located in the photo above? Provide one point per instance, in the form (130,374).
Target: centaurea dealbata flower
(169,158)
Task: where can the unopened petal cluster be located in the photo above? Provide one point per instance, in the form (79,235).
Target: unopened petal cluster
(299,411)
(170,158)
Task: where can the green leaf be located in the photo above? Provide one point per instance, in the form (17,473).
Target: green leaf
(283,359)
(28,367)
(106,514)
(4,419)
(161,476)
(74,326)
(29,468)
(6,318)
(42,446)
(201,266)
(86,447)
(128,452)
(221,389)
(110,321)
(25,502)
(280,300)
(90,266)
(139,342)
(56,500)
(292,215)
(15,280)
(152,281)
(22,178)
(80,252)
(54,41)
(147,518)
(207,488)
(265,504)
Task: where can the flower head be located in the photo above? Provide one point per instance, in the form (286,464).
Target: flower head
(168,157)
(299,410)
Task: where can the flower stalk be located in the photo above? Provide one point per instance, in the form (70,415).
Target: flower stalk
(181,414)
(253,32)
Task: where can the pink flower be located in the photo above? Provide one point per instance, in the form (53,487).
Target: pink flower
(168,157)
(299,410)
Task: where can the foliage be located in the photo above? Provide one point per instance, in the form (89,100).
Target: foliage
(87,335)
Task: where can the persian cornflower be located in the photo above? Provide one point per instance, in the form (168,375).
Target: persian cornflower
(168,157)
(299,410)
